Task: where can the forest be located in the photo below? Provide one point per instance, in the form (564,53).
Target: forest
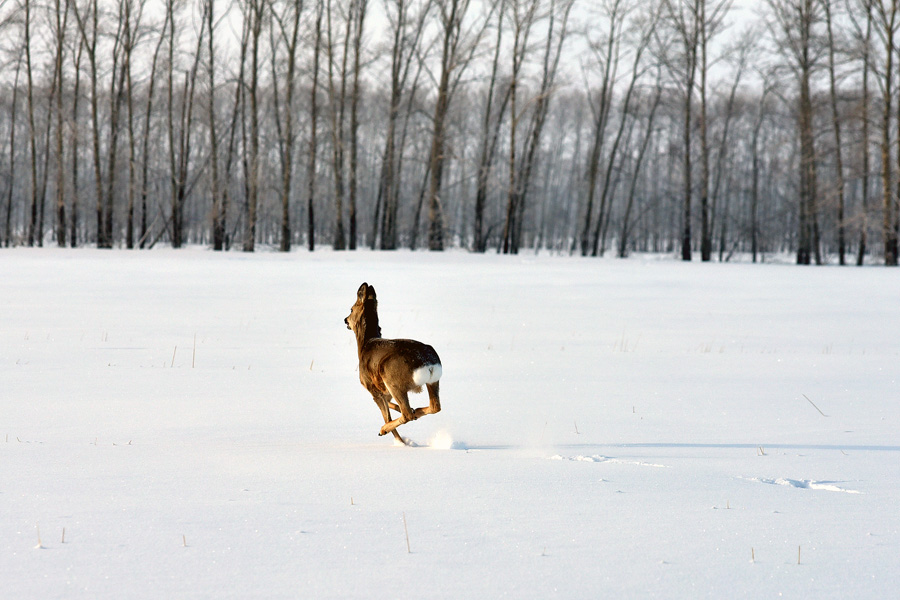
(705,129)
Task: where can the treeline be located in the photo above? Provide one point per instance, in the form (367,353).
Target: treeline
(681,126)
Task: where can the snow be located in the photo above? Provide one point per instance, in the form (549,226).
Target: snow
(639,428)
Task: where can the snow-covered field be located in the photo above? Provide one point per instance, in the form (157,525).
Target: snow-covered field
(184,424)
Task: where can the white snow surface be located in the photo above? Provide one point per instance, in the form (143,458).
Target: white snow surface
(642,428)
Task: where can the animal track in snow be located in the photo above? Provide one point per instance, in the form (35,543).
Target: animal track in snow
(597,458)
(806,484)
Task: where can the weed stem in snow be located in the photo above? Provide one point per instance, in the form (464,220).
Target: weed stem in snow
(406,531)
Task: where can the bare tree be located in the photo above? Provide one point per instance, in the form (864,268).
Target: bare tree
(313,130)
(32,128)
(60,19)
(406,28)
(7,228)
(795,24)
(452,13)
(695,23)
(132,15)
(886,22)
(116,99)
(89,28)
(685,18)
(836,127)
(238,117)
(148,112)
(337,104)
(711,16)
(255,13)
(73,144)
(521,15)
(358,16)
(644,145)
(219,204)
(180,148)
(643,33)
(863,38)
(741,55)
(606,53)
(557,31)
(490,134)
(288,23)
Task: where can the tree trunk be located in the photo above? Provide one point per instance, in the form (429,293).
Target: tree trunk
(488,143)
(313,129)
(61,22)
(687,186)
(358,15)
(890,239)
(32,132)
(290,34)
(218,203)
(402,52)
(450,36)
(864,149)
(73,144)
(256,10)
(645,143)
(705,222)
(521,25)
(116,98)
(807,175)
(130,41)
(90,44)
(542,106)
(337,132)
(7,228)
(601,117)
(838,146)
(145,153)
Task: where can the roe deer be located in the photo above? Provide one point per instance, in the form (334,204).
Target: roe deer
(392,368)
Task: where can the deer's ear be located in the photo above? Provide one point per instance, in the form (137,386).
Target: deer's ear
(361,292)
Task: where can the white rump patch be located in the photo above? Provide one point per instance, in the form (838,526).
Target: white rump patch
(426,374)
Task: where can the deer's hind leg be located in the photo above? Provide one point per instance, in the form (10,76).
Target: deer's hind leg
(434,400)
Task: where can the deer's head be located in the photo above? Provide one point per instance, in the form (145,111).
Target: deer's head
(364,312)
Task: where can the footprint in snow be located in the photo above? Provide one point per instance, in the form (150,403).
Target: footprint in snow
(597,458)
(806,484)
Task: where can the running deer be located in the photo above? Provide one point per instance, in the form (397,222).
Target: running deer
(390,369)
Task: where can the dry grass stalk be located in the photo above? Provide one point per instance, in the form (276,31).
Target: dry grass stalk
(406,531)
(814,406)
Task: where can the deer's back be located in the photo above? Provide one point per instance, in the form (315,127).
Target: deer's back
(395,361)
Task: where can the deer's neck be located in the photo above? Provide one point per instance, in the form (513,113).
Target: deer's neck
(367,329)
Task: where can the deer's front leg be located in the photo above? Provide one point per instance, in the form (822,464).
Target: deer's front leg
(383,403)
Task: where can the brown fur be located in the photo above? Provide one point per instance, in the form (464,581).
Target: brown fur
(386,367)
